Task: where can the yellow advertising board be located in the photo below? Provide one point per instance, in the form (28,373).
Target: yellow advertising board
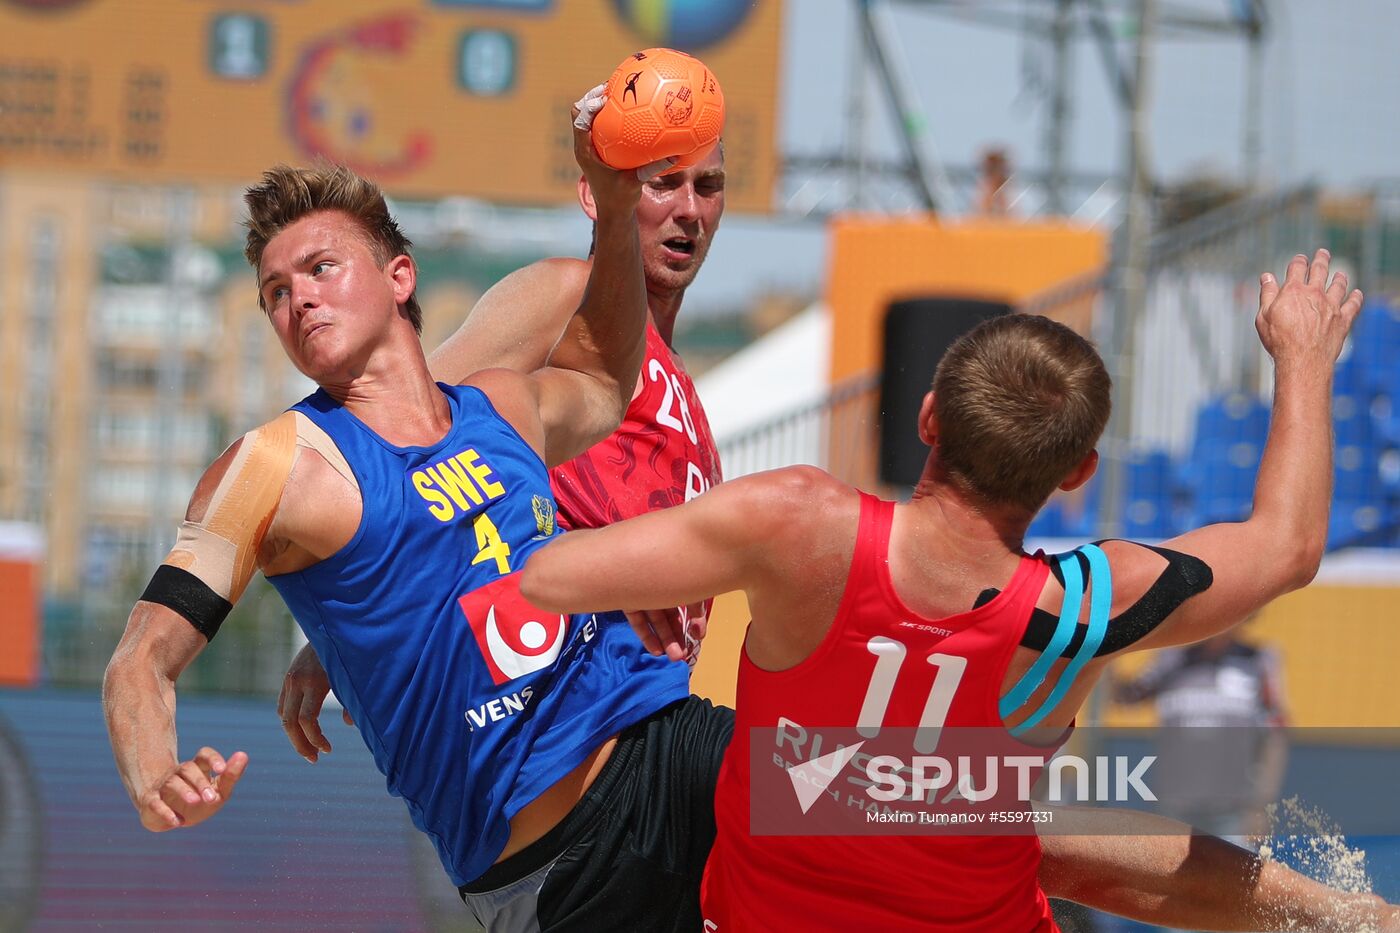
(429,97)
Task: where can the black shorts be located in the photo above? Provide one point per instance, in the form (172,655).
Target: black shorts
(631,853)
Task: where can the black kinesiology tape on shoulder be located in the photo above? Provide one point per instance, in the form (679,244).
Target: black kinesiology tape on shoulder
(188,597)
(1183,577)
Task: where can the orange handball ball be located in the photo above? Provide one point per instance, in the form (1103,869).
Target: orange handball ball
(661,104)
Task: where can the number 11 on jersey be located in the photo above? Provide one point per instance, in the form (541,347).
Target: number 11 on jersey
(889,658)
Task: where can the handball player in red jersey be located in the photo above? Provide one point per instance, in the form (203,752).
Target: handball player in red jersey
(843,587)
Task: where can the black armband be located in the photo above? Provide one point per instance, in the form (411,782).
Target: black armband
(1184,576)
(188,597)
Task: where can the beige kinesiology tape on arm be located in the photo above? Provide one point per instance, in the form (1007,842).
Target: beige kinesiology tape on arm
(220,546)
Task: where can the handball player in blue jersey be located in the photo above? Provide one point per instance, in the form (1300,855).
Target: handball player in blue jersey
(393,513)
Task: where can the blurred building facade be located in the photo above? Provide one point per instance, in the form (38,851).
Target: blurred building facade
(132,352)
(133,347)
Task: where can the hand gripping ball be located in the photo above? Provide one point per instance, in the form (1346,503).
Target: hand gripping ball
(661,104)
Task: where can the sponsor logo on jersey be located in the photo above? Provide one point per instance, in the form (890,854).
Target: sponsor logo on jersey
(925,627)
(515,638)
(502,707)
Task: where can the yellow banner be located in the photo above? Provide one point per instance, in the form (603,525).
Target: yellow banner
(428,97)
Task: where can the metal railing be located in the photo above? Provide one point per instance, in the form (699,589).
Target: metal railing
(836,433)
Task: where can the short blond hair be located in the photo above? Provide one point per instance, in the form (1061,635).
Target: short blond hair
(1021,401)
(288,194)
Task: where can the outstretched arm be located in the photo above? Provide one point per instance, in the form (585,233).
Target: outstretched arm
(581,396)
(670,557)
(1279,547)
(1199,882)
(734,537)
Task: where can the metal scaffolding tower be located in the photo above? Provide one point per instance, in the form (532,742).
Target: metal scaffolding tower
(918,180)
(1123,33)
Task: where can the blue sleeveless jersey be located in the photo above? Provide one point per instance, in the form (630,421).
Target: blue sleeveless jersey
(471,701)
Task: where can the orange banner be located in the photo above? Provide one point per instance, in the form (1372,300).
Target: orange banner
(20,630)
(429,97)
(879,260)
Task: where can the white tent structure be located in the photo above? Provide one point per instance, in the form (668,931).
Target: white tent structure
(785,371)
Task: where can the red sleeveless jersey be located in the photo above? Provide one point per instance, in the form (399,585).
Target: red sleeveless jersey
(662,455)
(949,883)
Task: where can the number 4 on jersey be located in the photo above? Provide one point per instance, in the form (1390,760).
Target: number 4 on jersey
(489,545)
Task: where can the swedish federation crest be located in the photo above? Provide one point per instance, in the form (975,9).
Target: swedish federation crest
(544,515)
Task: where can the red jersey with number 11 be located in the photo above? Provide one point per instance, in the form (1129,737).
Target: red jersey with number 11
(662,455)
(870,670)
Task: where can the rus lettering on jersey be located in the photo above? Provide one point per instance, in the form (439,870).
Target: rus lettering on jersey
(459,485)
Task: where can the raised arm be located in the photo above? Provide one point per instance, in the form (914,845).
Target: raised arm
(516,323)
(1279,547)
(592,373)
(188,597)
(581,396)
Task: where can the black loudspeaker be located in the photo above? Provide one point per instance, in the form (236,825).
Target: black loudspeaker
(918,332)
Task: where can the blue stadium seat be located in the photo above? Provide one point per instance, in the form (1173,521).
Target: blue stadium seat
(1150,474)
(1222,481)
(1370,366)
(1385,415)
(1365,523)
(1351,376)
(1230,431)
(1149,519)
(1351,419)
(1237,416)
(1388,469)
(1375,349)
(1050,523)
(1366,464)
(1359,475)
(1375,346)
(1151,510)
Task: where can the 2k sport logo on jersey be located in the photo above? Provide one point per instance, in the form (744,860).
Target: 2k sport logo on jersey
(515,638)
